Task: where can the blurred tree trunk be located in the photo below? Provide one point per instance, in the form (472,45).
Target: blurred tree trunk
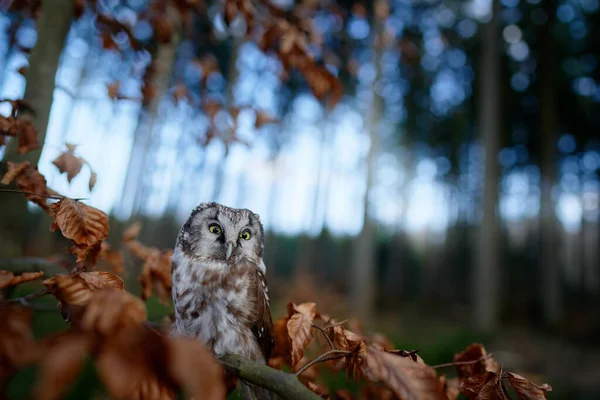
(163,64)
(53,25)
(549,263)
(232,75)
(487,280)
(364,277)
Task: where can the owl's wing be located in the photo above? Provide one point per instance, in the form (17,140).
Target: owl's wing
(263,325)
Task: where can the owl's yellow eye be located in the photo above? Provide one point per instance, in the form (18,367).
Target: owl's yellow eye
(214,228)
(245,235)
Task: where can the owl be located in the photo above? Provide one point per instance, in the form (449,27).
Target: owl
(220,294)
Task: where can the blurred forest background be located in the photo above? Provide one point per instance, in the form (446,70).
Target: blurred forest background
(434,170)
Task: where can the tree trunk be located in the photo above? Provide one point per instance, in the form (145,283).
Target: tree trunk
(134,189)
(232,75)
(549,264)
(53,26)
(487,279)
(364,279)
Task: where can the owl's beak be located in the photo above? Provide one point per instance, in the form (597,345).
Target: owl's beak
(230,246)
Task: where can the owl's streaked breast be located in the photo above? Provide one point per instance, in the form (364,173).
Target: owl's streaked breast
(215,302)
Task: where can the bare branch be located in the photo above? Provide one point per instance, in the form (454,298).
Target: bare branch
(287,386)
(453,364)
(25,300)
(331,346)
(330,355)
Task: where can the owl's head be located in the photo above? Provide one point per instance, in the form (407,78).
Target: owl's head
(221,233)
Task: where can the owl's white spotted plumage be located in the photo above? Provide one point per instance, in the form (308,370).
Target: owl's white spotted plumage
(220,294)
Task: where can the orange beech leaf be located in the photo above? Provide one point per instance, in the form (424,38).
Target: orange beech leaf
(526,390)
(299,328)
(83,224)
(28,139)
(343,394)
(69,163)
(230,11)
(17,345)
(76,290)
(406,378)
(92,182)
(111,310)
(283,342)
(319,389)
(113,257)
(61,361)
(451,387)
(156,274)
(14,170)
(132,231)
(8,279)
(211,108)
(194,369)
(474,352)
(263,118)
(131,365)
(486,386)
(113,90)
(30,180)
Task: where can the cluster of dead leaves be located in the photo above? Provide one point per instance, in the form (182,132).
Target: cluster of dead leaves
(109,326)
(156,270)
(85,226)
(389,373)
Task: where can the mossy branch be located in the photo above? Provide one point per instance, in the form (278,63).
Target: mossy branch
(287,386)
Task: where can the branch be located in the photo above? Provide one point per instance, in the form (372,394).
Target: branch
(329,355)
(25,300)
(331,346)
(287,386)
(453,364)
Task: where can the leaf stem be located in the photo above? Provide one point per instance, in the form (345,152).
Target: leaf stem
(324,334)
(24,301)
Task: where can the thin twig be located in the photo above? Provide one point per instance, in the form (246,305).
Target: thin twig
(336,324)
(326,336)
(322,358)
(25,300)
(31,193)
(453,364)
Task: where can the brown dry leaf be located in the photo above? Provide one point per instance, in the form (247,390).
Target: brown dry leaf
(17,345)
(230,11)
(406,378)
(93,178)
(113,257)
(194,369)
(343,394)
(28,139)
(475,352)
(85,225)
(318,388)
(61,362)
(113,90)
(8,279)
(283,344)
(486,386)
(111,310)
(299,328)
(263,118)
(131,365)
(132,231)
(30,180)
(451,387)
(69,163)
(527,390)
(156,274)
(14,170)
(211,108)
(76,290)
